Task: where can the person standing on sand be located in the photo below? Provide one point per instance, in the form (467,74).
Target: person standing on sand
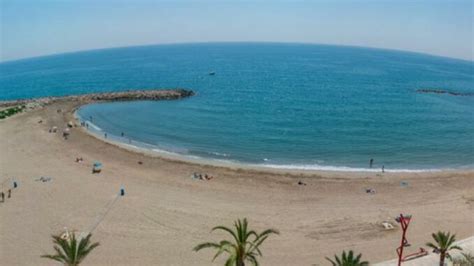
(9,193)
(371,162)
(383,168)
(2,196)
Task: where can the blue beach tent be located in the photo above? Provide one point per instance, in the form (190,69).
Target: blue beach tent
(96,167)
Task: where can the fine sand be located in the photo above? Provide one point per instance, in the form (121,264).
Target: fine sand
(165,213)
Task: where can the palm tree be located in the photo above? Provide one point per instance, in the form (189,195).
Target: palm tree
(348,260)
(444,243)
(245,246)
(69,251)
(466,259)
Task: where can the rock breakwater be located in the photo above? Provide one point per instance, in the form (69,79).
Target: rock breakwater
(130,95)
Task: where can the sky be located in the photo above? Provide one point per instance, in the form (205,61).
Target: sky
(32,28)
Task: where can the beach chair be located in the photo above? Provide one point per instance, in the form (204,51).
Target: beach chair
(96,167)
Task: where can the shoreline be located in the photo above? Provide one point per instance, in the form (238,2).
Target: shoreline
(74,102)
(155,151)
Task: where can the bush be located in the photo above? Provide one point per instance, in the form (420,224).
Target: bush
(11,111)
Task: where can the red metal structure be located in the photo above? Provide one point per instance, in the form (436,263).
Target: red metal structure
(404,222)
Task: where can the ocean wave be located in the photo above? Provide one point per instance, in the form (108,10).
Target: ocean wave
(163,151)
(219,154)
(303,167)
(316,167)
(93,126)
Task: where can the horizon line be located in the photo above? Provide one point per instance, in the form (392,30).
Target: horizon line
(471,60)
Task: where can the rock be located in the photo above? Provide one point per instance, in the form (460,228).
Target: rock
(132,95)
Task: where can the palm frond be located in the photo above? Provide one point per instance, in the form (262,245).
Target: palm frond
(69,251)
(268,232)
(331,261)
(253,259)
(431,245)
(244,245)
(84,252)
(53,257)
(231,260)
(206,245)
(348,259)
(228,230)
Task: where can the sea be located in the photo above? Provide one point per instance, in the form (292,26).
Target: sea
(276,105)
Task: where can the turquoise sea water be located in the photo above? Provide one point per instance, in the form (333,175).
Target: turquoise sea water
(279,105)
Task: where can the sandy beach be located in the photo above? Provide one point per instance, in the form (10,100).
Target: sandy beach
(165,212)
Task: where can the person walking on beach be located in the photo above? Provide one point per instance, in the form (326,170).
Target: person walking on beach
(9,193)
(2,196)
(383,168)
(371,163)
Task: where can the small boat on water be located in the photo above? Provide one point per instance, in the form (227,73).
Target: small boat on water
(212,73)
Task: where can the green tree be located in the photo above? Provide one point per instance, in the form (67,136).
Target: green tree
(245,245)
(466,259)
(444,242)
(348,259)
(71,252)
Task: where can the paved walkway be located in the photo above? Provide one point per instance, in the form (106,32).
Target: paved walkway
(432,259)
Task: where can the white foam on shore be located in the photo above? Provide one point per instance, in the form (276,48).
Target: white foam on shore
(223,162)
(226,162)
(219,154)
(93,126)
(310,167)
(162,151)
(316,167)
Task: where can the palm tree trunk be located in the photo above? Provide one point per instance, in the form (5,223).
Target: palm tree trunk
(442,255)
(240,257)
(240,262)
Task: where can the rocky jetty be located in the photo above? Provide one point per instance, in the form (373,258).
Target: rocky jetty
(131,95)
(440,91)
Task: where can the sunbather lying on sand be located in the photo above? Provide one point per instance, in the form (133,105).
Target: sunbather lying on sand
(44,179)
(201,177)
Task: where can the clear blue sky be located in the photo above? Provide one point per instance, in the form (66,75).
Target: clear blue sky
(39,27)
